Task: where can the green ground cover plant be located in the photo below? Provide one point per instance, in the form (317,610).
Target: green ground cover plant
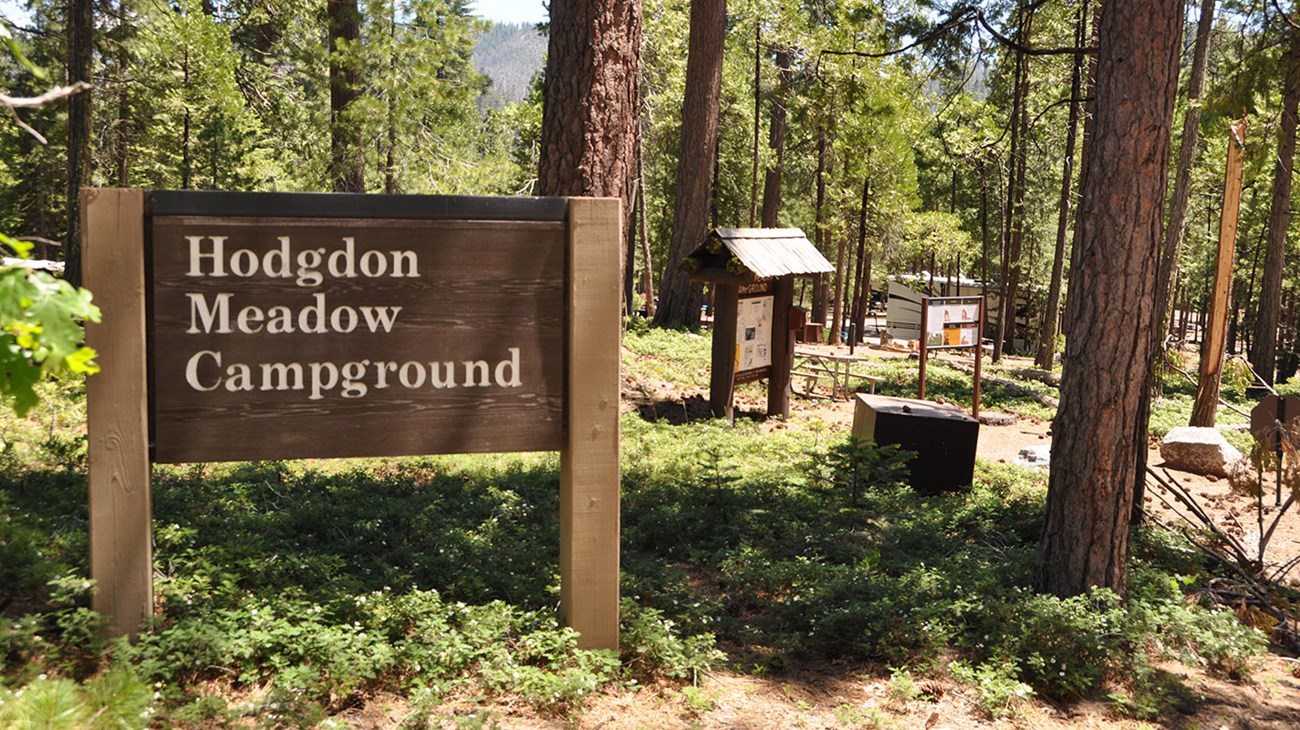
(288,592)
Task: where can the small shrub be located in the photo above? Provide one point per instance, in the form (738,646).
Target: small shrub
(998,689)
(652,649)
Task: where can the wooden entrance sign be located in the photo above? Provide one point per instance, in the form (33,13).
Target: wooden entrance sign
(755,324)
(285,326)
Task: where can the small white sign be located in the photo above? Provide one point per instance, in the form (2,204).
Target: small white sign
(754,333)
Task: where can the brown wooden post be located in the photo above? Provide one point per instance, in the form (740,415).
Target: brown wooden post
(1207,389)
(722,380)
(121,532)
(925,322)
(778,383)
(589,463)
(979,361)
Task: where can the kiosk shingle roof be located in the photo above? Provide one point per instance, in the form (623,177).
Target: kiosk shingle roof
(773,252)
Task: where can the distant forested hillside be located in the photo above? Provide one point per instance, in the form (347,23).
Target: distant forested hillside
(509,54)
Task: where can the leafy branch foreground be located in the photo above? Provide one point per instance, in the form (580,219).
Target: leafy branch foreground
(291,593)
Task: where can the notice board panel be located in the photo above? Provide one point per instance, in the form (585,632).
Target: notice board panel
(324,336)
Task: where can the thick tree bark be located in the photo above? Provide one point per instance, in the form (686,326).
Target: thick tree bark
(679,303)
(1098,426)
(776,141)
(1047,333)
(592,103)
(347,158)
(81,40)
(1263,353)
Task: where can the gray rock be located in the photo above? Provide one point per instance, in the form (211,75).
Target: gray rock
(1039,457)
(1198,450)
(997,418)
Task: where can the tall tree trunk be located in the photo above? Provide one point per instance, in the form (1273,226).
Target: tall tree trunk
(1207,387)
(1013,222)
(390,147)
(839,292)
(984,225)
(758,114)
(592,103)
(1085,148)
(776,141)
(679,303)
(1263,353)
(347,158)
(647,269)
(862,288)
(1171,251)
(122,138)
(820,296)
(1047,333)
(187,129)
(1098,426)
(81,40)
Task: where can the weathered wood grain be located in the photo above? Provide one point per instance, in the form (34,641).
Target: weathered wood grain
(121,544)
(589,463)
(483,288)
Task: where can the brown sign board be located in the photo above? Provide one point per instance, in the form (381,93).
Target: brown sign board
(314,335)
(1265,417)
(288,325)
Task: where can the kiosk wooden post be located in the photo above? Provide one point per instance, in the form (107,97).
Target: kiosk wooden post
(589,463)
(722,378)
(121,532)
(778,383)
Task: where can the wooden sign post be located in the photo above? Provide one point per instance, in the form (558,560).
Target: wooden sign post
(952,323)
(285,326)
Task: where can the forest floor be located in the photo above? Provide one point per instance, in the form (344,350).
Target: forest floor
(843,695)
(853,696)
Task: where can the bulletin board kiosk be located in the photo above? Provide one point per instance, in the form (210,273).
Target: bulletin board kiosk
(755,322)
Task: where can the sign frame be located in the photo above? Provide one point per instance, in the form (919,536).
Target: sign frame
(116,268)
(931,306)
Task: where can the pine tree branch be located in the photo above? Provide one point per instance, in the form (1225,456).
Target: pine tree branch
(964,16)
(58,92)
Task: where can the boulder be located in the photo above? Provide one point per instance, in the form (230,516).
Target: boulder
(1198,450)
(1039,457)
(996,418)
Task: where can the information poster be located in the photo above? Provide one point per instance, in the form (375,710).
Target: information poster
(952,322)
(754,333)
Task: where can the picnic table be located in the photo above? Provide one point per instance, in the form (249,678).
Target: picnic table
(812,366)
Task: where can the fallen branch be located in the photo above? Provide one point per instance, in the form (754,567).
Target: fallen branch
(1249,587)
(1192,380)
(1009,385)
(58,92)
